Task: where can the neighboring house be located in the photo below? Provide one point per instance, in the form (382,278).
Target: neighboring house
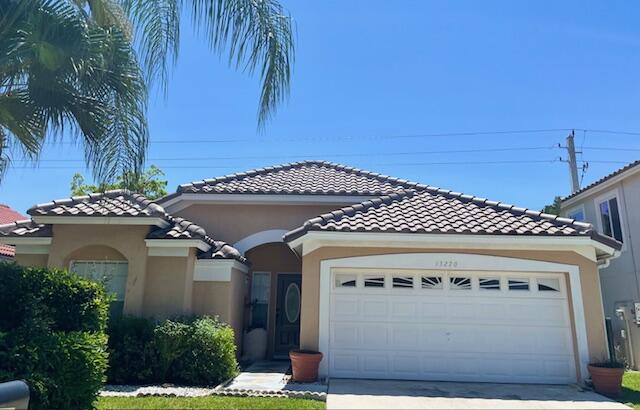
(388,278)
(8,215)
(611,204)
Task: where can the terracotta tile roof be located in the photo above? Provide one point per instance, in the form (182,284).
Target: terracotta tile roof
(440,211)
(603,179)
(301,178)
(22,229)
(181,228)
(121,203)
(7,216)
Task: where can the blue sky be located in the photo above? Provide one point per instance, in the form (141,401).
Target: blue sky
(371,75)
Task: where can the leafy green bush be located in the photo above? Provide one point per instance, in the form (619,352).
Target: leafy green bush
(132,351)
(194,351)
(205,351)
(52,334)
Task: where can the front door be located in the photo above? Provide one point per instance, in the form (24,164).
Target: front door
(287,332)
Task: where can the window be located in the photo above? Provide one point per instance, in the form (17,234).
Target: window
(548,285)
(432,282)
(610,218)
(459,283)
(577,214)
(345,281)
(374,281)
(260,290)
(112,273)
(403,282)
(489,283)
(519,284)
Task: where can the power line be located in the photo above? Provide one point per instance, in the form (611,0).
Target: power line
(326,155)
(612,149)
(549,161)
(346,137)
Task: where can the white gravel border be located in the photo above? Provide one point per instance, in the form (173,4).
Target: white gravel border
(123,390)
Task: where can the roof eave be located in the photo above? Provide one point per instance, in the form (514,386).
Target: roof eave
(307,240)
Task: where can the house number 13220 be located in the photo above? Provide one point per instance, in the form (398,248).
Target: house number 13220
(446,264)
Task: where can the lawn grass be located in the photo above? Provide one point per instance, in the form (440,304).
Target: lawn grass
(630,390)
(208,402)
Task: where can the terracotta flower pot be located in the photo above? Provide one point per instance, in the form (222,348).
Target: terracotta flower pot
(607,380)
(304,365)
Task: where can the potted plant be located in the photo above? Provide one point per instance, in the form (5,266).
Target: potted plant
(607,377)
(304,365)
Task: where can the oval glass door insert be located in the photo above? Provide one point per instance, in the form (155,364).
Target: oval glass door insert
(292,302)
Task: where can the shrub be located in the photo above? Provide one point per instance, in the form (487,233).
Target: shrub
(194,351)
(207,352)
(53,335)
(132,351)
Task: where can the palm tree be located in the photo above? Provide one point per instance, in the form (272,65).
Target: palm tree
(83,68)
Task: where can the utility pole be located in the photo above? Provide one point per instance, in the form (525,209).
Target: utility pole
(573,164)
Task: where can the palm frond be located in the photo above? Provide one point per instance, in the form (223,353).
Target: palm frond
(157,36)
(258,34)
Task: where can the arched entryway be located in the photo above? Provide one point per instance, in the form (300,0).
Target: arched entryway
(274,294)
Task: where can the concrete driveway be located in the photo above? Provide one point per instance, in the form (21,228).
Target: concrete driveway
(386,394)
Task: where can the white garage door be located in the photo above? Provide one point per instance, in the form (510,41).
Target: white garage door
(461,326)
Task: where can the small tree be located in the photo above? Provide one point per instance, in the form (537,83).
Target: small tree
(555,207)
(148,184)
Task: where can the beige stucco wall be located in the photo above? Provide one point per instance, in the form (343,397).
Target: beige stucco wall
(31,259)
(169,286)
(226,300)
(588,274)
(231,223)
(212,299)
(237,298)
(92,242)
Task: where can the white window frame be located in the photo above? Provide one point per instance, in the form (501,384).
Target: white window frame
(614,193)
(104,262)
(268,274)
(578,208)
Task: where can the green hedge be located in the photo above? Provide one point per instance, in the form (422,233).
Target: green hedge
(52,334)
(192,351)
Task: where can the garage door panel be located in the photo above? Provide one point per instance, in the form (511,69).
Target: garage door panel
(345,307)
(374,335)
(374,309)
(404,310)
(452,335)
(434,311)
(344,335)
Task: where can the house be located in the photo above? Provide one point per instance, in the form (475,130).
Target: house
(611,204)
(388,278)
(8,215)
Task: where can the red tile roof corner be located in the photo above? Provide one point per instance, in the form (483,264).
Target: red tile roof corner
(8,215)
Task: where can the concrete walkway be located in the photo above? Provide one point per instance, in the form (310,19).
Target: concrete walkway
(271,376)
(384,394)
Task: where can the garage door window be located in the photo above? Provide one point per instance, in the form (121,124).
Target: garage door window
(518,284)
(459,283)
(403,282)
(432,282)
(374,281)
(489,283)
(345,281)
(548,285)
